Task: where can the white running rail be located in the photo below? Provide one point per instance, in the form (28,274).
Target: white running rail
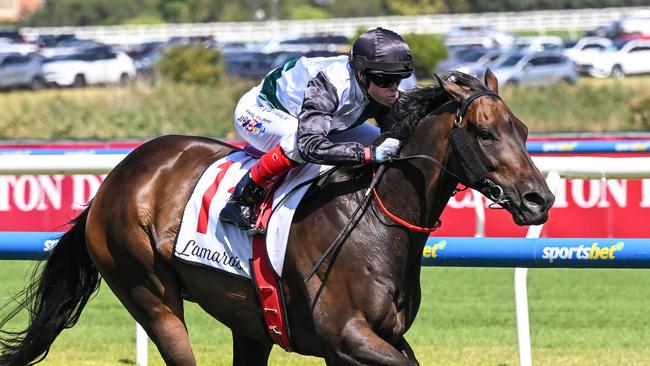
(537,21)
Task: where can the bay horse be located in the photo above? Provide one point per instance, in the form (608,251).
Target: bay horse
(360,303)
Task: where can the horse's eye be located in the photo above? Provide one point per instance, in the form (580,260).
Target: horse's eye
(485,134)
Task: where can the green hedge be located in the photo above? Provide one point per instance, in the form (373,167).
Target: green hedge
(194,64)
(427,50)
(639,107)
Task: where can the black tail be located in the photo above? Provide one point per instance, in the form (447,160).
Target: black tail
(55,298)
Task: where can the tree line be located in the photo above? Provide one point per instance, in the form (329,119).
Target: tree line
(112,12)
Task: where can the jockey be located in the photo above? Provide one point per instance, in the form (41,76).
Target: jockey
(314,110)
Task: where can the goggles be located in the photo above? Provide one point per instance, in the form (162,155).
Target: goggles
(384,81)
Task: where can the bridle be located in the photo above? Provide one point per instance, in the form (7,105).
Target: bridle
(485,185)
(474,172)
(474,176)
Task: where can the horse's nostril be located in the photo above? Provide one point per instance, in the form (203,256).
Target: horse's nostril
(534,198)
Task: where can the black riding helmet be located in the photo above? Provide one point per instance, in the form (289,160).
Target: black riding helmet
(382,52)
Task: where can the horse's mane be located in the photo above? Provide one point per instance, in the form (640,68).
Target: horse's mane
(411,107)
(415,104)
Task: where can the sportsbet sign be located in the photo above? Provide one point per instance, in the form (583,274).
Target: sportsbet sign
(583,252)
(542,252)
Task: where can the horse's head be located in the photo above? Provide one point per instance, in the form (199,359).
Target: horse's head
(496,139)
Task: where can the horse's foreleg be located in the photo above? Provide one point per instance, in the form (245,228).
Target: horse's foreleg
(250,352)
(360,345)
(407,351)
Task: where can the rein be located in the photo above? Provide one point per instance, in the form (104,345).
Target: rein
(472,167)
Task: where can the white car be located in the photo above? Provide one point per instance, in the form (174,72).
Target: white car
(585,49)
(623,58)
(537,44)
(24,48)
(486,36)
(99,65)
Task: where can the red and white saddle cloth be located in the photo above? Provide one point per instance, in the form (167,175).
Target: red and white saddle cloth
(205,240)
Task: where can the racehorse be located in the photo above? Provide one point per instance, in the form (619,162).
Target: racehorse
(362,299)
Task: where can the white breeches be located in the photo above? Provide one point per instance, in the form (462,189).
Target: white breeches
(264,128)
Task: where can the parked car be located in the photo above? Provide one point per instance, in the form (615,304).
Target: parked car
(535,68)
(11,34)
(537,43)
(99,65)
(626,28)
(23,48)
(623,58)
(484,36)
(18,70)
(469,62)
(254,65)
(585,49)
(53,40)
(145,64)
(69,46)
(323,42)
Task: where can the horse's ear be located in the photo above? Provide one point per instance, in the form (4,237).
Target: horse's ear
(491,81)
(456,91)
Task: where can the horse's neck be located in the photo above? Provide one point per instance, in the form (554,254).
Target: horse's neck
(430,188)
(415,190)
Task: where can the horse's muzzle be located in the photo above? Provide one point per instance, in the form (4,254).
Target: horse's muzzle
(533,208)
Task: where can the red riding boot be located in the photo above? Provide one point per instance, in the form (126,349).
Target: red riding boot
(240,209)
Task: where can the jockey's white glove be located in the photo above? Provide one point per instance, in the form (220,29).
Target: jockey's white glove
(386,150)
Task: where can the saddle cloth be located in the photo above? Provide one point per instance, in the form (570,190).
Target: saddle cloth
(204,240)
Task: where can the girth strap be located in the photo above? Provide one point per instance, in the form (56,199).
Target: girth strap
(268,285)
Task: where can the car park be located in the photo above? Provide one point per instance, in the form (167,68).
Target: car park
(18,71)
(100,65)
(622,59)
(534,68)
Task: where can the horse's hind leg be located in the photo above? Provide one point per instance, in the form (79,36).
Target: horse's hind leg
(247,351)
(150,291)
(158,306)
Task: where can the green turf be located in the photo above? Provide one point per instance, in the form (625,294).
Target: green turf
(578,317)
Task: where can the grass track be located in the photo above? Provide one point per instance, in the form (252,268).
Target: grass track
(578,317)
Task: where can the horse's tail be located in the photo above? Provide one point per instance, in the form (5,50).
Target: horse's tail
(55,298)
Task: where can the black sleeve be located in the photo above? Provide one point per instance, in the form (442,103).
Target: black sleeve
(319,104)
(384,121)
